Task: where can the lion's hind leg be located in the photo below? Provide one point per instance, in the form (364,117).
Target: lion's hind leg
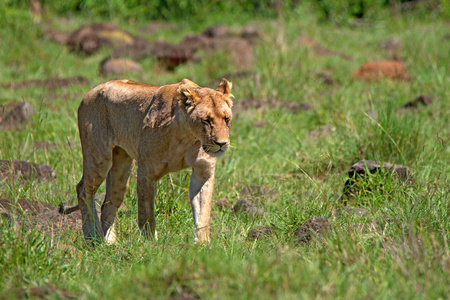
(116,187)
(95,169)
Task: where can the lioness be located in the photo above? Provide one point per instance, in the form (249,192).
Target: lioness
(165,129)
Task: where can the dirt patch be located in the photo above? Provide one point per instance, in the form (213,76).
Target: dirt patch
(352,211)
(240,51)
(56,35)
(36,7)
(119,66)
(316,226)
(260,123)
(39,215)
(266,103)
(44,145)
(235,76)
(325,130)
(325,78)
(25,206)
(222,31)
(90,38)
(25,170)
(224,204)
(361,169)
(51,83)
(392,48)
(374,70)
(43,292)
(260,232)
(169,55)
(15,115)
(320,50)
(247,207)
(257,191)
(155,26)
(236,44)
(420,101)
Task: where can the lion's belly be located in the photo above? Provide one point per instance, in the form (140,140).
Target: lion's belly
(170,158)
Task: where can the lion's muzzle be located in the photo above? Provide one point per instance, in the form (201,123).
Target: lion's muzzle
(216,149)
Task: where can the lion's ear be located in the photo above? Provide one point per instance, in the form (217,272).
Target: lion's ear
(225,87)
(187,97)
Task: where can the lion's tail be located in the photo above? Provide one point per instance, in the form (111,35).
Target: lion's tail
(67,210)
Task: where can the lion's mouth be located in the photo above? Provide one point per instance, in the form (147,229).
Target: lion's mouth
(215,152)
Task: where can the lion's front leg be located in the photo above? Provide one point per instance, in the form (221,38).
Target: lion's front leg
(200,192)
(146,189)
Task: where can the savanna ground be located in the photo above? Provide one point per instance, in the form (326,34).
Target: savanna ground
(292,164)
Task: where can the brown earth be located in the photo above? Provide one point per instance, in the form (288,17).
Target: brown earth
(247,207)
(223,203)
(153,27)
(119,66)
(36,7)
(316,226)
(318,49)
(14,115)
(257,191)
(169,55)
(392,48)
(43,292)
(361,169)
(422,100)
(25,170)
(265,103)
(50,83)
(39,215)
(260,232)
(325,78)
(325,130)
(373,70)
(354,211)
(44,145)
(90,38)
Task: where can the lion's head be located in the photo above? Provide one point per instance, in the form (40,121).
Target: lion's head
(208,114)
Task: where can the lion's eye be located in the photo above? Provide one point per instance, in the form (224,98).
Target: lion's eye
(206,121)
(227,119)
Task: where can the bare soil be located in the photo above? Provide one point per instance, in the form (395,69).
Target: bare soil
(263,104)
(25,170)
(316,226)
(50,83)
(14,115)
(375,70)
(39,215)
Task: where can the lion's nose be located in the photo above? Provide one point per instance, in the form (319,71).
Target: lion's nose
(220,143)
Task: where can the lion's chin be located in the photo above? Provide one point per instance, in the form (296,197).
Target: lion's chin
(217,153)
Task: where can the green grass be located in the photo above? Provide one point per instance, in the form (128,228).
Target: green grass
(400,250)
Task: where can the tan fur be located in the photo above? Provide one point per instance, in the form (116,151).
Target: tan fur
(165,129)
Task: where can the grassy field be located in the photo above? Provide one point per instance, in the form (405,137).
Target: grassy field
(399,249)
